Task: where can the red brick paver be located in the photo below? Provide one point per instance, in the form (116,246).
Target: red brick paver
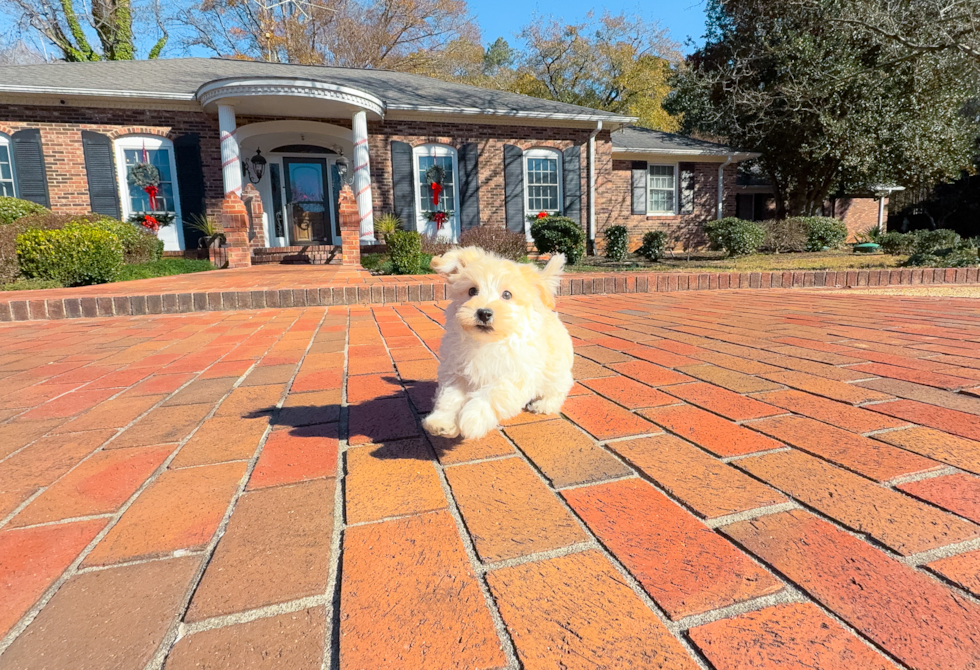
(760,479)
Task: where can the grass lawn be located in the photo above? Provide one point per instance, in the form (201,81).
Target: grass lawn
(712,261)
(164,267)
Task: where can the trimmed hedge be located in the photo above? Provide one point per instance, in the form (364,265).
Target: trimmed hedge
(405,249)
(736,236)
(559,235)
(896,243)
(76,255)
(12,209)
(654,245)
(823,231)
(617,243)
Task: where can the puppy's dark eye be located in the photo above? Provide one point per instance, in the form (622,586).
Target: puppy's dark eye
(506,295)
(473,291)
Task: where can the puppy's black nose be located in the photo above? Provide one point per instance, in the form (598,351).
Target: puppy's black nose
(484,315)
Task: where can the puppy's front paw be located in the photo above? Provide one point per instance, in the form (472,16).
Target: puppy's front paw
(477,419)
(440,425)
(546,405)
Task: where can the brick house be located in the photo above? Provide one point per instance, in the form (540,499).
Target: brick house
(71,132)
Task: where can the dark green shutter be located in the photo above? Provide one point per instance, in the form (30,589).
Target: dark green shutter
(32,178)
(639,182)
(190,183)
(572,178)
(469,185)
(403,183)
(103,192)
(686,188)
(514,187)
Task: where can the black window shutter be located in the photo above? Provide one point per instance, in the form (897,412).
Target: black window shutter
(103,194)
(639,181)
(686,187)
(572,176)
(469,185)
(514,188)
(190,183)
(403,183)
(32,178)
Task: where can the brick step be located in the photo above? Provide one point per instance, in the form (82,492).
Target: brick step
(297,255)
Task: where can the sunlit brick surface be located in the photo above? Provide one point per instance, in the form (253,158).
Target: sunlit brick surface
(764,479)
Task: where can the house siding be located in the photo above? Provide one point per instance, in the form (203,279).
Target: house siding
(686,231)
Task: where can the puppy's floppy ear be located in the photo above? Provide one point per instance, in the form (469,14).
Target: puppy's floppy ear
(455,260)
(547,279)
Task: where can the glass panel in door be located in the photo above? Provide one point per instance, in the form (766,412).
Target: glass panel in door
(306,199)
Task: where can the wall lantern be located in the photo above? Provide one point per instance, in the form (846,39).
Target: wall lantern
(255,167)
(343,169)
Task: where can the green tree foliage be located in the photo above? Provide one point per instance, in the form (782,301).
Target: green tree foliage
(70,26)
(829,105)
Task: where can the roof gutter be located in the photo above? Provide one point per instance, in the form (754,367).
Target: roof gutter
(591,226)
(736,156)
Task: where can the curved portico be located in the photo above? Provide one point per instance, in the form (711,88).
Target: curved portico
(300,99)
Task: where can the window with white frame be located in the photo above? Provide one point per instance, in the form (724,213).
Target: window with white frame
(7,187)
(427,156)
(158,152)
(542,181)
(662,184)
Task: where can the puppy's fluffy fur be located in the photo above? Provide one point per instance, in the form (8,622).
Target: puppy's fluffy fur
(492,368)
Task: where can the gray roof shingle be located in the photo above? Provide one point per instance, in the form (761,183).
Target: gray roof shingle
(644,140)
(180,78)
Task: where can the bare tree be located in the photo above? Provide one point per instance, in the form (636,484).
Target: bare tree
(19,53)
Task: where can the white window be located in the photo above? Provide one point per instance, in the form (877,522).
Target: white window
(427,156)
(662,184)
(542,181)
(159,152)
(7,187)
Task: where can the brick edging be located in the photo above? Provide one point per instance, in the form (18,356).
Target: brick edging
(429,290)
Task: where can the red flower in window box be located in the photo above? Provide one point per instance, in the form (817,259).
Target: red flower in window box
(542,215)
(150,223)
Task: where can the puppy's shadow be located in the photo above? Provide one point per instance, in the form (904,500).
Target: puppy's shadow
(373,419)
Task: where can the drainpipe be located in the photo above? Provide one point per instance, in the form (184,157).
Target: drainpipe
(721,187)
(592,135)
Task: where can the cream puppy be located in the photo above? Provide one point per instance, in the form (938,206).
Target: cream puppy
(504,347)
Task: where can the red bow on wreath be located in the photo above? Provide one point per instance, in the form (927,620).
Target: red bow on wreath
(436,190)
(151,191)
(440,218)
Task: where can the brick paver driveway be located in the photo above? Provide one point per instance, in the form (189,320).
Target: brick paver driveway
(741,480)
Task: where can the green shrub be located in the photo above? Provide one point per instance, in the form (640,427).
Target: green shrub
(12,209)
(823,231)
(958,257)
(654,245)
(736,236)
(139,244)
(76,255)
(9,267)
(405,249)
(784,235)
(559,235)
(617,242)
(896,243)
(931,241)
(496,239)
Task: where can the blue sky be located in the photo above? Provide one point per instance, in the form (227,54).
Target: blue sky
(502,18)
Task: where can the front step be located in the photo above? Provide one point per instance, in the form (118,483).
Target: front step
(313,254)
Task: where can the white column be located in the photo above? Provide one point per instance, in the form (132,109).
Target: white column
(231,160)
(362,178)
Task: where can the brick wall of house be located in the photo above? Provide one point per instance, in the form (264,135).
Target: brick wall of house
(686,230)
(491,140)
(858,214)
(61,140)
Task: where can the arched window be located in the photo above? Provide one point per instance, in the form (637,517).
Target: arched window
(427,156)
(8,185)
(542,181)
(159,152)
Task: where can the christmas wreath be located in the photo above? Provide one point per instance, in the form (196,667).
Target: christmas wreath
(147,177)
(440,218)
(435,175)
(152,222)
